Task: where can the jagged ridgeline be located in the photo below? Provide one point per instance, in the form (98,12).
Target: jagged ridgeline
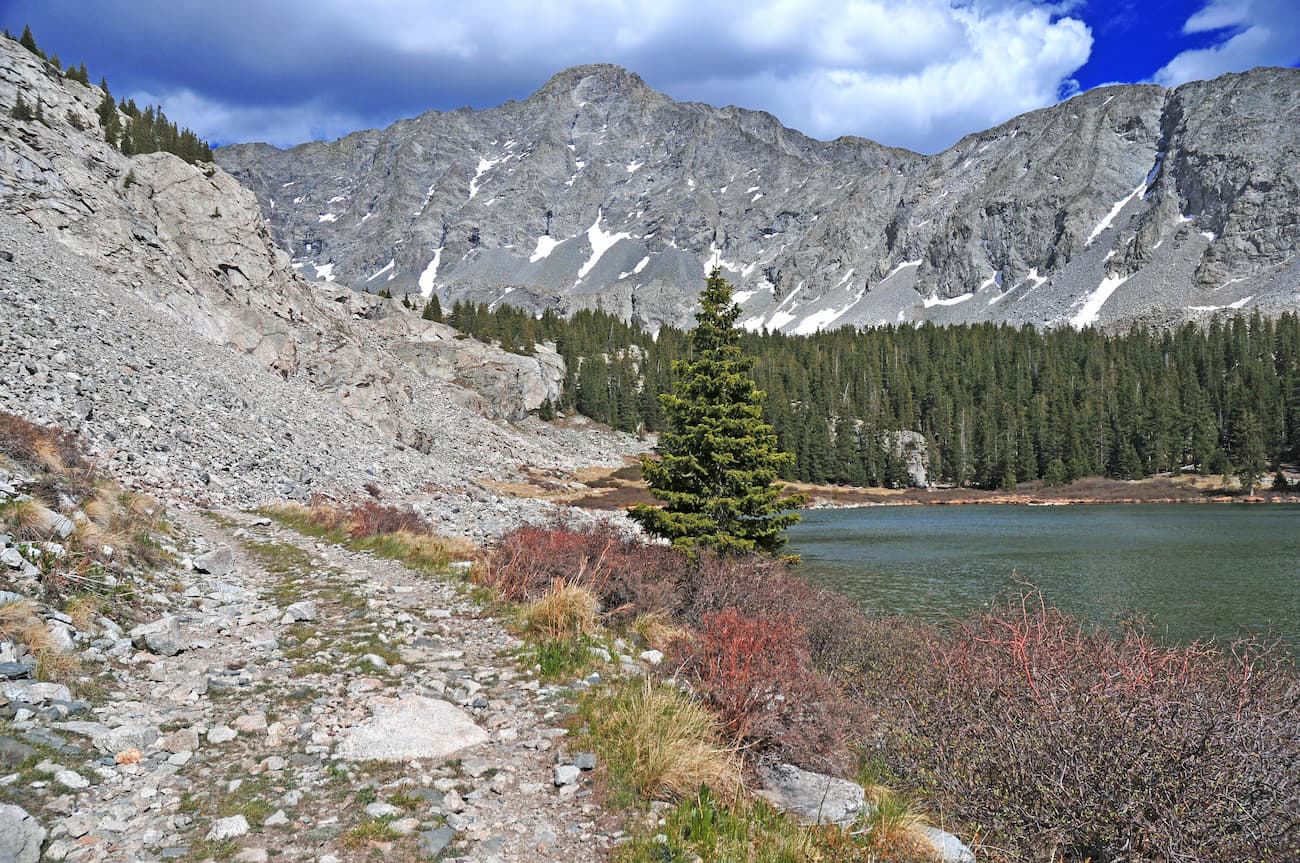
(996,404)
(126,126)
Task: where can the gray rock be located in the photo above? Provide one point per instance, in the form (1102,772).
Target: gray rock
(114,740)
(411,727)
(566,774)
(300,611)
(433,842)
(947,847)
(585,761)
(12,558)
(14,752)
(219,562)
(811,796)
(379,809)
(71,779)
(228,828)
(162,636)
(21,835)
(15,670)
(33,692)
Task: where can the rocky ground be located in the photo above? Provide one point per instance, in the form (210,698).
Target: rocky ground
(249,717)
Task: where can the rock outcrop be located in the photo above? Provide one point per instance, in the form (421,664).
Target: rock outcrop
(146,306)
(1124,203)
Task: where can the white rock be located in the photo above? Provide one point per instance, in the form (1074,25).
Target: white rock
(71,779)
(304,610)
(219,562)
(228,828)
(947,847)
(811,796)
(411,727)
(221,734)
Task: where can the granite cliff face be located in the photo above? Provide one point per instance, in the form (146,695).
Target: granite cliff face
(1124,203)
(144,303)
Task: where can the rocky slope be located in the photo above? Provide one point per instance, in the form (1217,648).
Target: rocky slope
(1124,203)
(146,306)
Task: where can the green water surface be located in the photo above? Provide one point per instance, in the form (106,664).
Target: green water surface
(1195,570)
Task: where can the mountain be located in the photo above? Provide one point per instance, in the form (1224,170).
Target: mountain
(1126,203)
(144,305)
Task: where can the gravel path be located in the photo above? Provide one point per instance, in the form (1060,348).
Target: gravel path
(231,748)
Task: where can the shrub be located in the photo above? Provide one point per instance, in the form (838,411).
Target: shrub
(1043,734)
(657,743)
(757,673)
(832,624)
(371,518)
(54,449)
(564,611)
(627,576)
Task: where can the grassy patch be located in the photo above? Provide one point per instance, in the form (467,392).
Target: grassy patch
(369,831)
(657,743)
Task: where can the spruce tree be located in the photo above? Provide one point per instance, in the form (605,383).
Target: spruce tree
(432,310)
(28,41)
(718,458)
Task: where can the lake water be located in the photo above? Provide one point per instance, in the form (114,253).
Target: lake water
(1195,570)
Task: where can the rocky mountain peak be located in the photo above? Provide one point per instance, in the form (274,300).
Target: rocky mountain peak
(1124,203)
(594,83)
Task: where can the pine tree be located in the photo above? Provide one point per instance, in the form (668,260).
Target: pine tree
(432,310)
(1248,455)
(718,459)
(1280,482)
(28,41)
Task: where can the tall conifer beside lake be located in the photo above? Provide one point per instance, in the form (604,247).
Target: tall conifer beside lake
(718,458)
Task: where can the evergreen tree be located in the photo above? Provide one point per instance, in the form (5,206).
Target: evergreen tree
(1248,455)
(1280,482)
(21,110)
(28,41)
(718,459)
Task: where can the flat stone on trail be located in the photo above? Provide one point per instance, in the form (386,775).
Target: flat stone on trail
(219,562)
(411,727)
(812,796)
(228,828)
(162,636)
(299,611)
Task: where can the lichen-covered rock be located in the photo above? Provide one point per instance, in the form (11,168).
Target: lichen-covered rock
(812,796)
(21,835)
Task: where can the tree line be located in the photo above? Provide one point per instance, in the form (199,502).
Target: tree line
(144,130)
(998,405)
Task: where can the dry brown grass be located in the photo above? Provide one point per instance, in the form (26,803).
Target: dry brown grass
(83,609)
(20,624)
(564,611)
(24,518)
(661,744)
(657,629)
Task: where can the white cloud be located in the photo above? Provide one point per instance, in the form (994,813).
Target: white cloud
(1254,33)
(914,73)
(230,123)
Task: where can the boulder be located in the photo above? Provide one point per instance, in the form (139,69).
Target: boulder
(219,562)
(228,828)
(811,796)
(163,636)
(300,611)
(411,727)
(947,847)
(21,835)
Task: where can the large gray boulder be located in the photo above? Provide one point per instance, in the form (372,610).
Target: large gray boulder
(219,562)
(947,847)
(21,835)
(811,796)
(412,727)
(162,636)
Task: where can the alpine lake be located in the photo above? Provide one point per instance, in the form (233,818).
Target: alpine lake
(1193,571)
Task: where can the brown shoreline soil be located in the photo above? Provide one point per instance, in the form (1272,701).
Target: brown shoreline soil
(613,489)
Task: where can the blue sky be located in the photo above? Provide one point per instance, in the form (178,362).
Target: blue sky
(910,73)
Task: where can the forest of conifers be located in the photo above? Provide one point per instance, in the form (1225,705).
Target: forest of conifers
(997,405)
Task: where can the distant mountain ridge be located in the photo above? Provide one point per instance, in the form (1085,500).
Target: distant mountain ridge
(1126,203)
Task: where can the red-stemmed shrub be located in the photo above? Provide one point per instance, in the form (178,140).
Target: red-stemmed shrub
(372,518)
(1057,741)
(758,674)
(833,625)
(629,576)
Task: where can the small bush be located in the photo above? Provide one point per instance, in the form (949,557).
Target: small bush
(757,673)
(53,449)
(659,744)
(372,518)
(627,576)
(564,611)
(1044,734)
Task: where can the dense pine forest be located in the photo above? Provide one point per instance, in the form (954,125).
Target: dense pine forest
(997,405)
(145,130)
